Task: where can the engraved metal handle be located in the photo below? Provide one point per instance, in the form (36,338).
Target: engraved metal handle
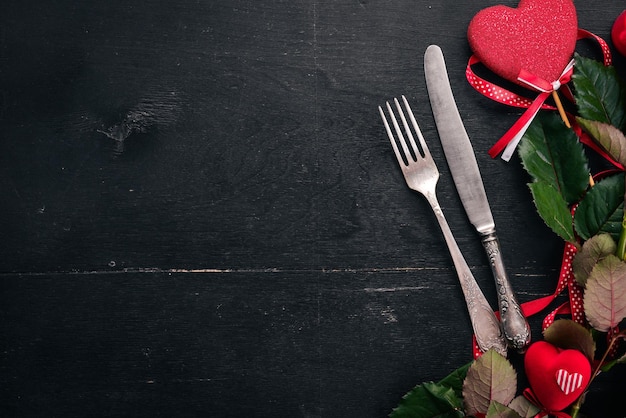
(484,322)
(514,323)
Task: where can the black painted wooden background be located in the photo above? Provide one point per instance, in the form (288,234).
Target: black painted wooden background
(201,214)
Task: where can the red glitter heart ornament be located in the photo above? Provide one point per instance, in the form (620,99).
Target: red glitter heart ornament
(539,36)
(557,377)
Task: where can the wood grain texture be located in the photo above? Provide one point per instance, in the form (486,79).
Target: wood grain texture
(226,344)
(201,215)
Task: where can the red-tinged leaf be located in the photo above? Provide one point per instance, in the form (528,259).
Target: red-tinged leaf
(524,407)
(490,378)
(568,334)
(607,136)
(605,295)
(593,250)
(497,410)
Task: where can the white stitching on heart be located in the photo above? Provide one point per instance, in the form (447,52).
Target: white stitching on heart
(568,382)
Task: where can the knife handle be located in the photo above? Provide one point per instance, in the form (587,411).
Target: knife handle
(484,322)
(514,323)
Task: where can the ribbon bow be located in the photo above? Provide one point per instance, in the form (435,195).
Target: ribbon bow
(512,137)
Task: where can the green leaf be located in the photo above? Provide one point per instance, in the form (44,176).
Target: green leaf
(524,407)
(608,365)
(605,295)
(600,93)
(552,154)
(430,400)
(593,250)
(601,209)
(611,139)
(553,210)
(490,378)
(455,379)
(497,410)
(620,250)
(567,334)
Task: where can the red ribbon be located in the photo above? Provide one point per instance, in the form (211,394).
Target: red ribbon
(544,87)
(530,395)
(573,306)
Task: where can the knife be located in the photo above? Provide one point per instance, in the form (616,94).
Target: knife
(466,175)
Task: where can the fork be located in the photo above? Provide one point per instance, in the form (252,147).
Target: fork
(421,175)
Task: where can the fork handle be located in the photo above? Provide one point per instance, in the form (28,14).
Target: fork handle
(514,323)
(484,322)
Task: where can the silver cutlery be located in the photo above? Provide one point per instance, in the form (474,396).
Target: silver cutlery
(421,175)
(466,175)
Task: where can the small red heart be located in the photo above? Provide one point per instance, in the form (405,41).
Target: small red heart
(618,33)
(557,377)
(538,36)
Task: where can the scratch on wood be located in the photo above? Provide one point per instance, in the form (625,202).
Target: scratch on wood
(196,380)
(381,270)
(394,289)
(114,270)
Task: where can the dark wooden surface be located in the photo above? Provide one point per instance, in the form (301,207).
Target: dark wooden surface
(201,215)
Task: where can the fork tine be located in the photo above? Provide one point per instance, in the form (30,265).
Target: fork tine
(399,134)
(409,134)
(391,138)
(425,150)
(394,145)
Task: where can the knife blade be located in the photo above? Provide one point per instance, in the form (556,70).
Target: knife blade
(468,181)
